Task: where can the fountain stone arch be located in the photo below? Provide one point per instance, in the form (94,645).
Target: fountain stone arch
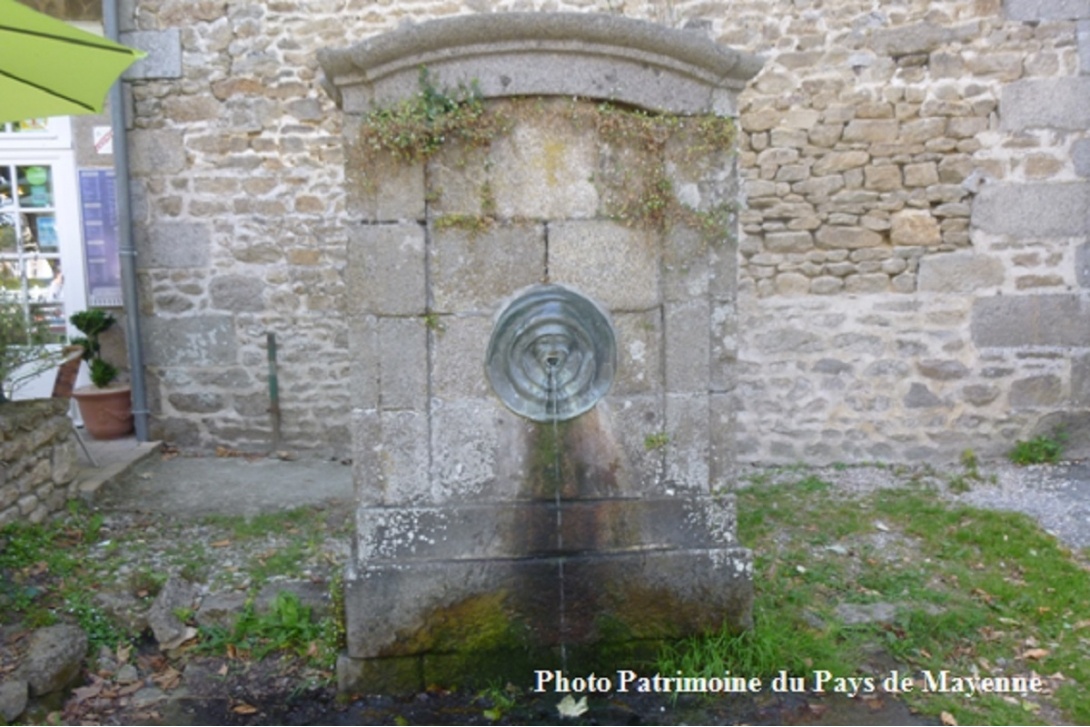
(492,541)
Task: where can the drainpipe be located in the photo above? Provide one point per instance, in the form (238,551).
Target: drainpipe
(127,248)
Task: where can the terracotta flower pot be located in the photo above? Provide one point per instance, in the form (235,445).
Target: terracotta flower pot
(107,413)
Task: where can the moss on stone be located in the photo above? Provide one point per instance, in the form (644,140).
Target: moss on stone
(479,623)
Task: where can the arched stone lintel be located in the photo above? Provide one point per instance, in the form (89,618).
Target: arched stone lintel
(606,57)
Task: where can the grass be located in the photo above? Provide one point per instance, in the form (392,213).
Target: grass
(286,626)
(976,592)
(53,572)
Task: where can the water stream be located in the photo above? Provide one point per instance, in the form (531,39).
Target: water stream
(551,409)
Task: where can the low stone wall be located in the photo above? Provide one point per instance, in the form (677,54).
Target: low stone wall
(37,459)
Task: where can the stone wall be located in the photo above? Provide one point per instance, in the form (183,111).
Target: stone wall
(37,459)
(916,213)
(911,265)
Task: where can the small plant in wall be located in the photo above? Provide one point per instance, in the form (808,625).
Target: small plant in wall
(416,128)
(1042,449)
(106,407)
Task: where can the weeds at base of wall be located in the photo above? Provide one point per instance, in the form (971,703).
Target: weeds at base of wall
(1043,449)
(287,626)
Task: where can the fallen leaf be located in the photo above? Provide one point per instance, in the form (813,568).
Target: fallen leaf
(124,651)
(222,671)
(925,653)
(568,707)
(188,634)
(243,708)
(948,719)
(169,679)
(92,690)
(221,543)
(1034,654)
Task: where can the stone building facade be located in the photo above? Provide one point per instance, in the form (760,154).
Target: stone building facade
(913,260)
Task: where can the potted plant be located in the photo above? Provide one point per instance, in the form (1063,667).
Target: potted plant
(106,407)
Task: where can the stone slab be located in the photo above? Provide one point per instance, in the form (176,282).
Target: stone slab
(959,272)
(687,448)
(1082,265)
(402,458)
(156,152)
(545,171)
(436,606)
(238,293)
(364,353)
(722,444)
(723,372)
(1034,211)
(199,340)
(477,452)
(639,353)
(1036,10)
(403,363)
(1060,103)
(473,271)
(164,54)
(688,345)
(639,424)
(459,346)
(686,269)
(616,266)
(585,55)
(1031,320)
(532,528)
(1080,150)
(1082,39)
(173,245)
(386,269)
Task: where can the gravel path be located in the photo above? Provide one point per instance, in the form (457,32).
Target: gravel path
(1057,496)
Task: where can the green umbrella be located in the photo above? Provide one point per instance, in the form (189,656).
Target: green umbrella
(49,68)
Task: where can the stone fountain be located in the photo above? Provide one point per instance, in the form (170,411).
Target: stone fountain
(542,325)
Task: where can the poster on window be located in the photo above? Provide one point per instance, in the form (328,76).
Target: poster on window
(98,203)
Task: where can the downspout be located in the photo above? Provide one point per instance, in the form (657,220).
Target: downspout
(126,246)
